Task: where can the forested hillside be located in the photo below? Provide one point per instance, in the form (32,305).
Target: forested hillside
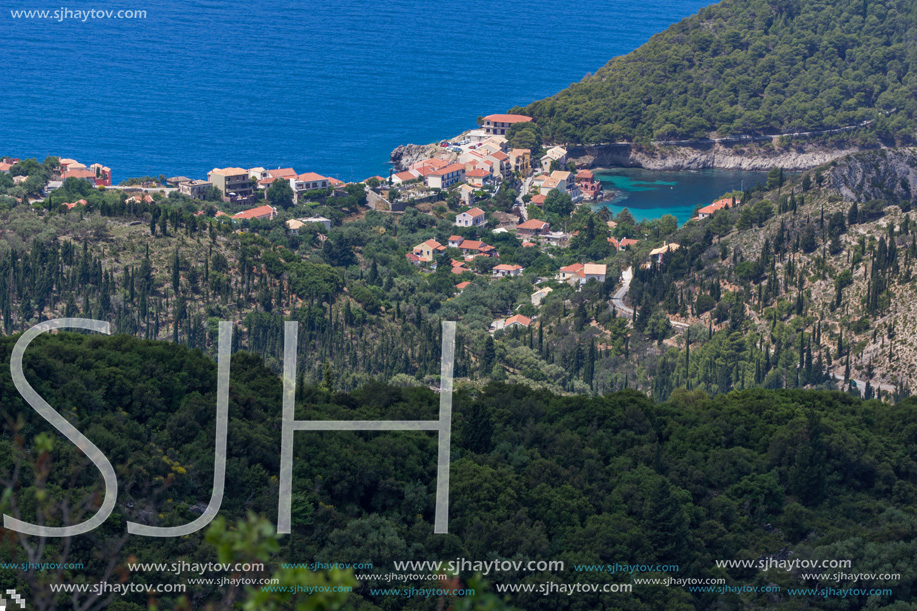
(603,480)
(752,67)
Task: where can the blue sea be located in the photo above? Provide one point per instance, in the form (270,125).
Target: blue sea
(319,85)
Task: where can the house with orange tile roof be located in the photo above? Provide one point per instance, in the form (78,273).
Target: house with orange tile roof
(476,248)
(478,177)
(532,227)
(407,176)
(428,250)
(82,174)
(499,124)
(462,285)
(470,218)
(517,320)
(454,241)
(569,272)
(5,167)
(719,204)
(503,270)
(445,177)
(261,213)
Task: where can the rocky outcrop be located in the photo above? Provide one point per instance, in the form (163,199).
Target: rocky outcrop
(888,174)
(704,156)
(406,154)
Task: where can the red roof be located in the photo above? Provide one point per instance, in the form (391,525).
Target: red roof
(477,173)
(269,180)
(336,182)
(471,244)
(574,268)
(528,244)
(518,319)
(78,174)
(585,175)
(311,176)
(282,173)
(406,176)
(462,285)
(534,225)
(505,267)
(455,238)
(507,118)
(538,199)
(475,212)
(254,213)
(717,205)
(500,155)
(5,167)
(454,167)
(628,242)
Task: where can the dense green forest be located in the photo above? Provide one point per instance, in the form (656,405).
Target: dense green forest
(752,67)
(586,480)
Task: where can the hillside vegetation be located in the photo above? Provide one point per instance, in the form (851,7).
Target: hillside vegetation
(752,67)
(534,476)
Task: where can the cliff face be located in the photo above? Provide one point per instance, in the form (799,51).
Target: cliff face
(705,156)
(406,154)
(888,174)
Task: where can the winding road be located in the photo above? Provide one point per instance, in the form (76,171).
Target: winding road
(617,301)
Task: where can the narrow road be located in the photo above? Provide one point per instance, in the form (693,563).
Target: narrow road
(617,299)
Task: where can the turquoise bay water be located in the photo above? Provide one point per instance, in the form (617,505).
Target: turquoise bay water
(330,86)
(649,194)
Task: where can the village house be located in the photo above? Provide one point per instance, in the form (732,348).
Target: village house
(520,160)
(454,241)
(233,183)
(310,181)
(623,244)
(593,271)
(498,125)
(466,195)
(719,204)
(532,227)
(326,223)
(659,253)
(462,285)
(566,181)
(539,295)
(476,248)
(81,174)
(470,218)
(588,185)
(444,178)
(570,272)
(427,251)
(194,188)
(555,154)
(261,213)
(478,177)
(503,270)
(403,177)
(517,320)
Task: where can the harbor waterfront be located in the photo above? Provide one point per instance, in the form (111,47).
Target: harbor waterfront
(649,194)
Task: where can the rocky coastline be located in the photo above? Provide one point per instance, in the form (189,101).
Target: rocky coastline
(701,156)
(705,156)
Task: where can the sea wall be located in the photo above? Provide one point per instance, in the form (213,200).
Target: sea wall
(704,156)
